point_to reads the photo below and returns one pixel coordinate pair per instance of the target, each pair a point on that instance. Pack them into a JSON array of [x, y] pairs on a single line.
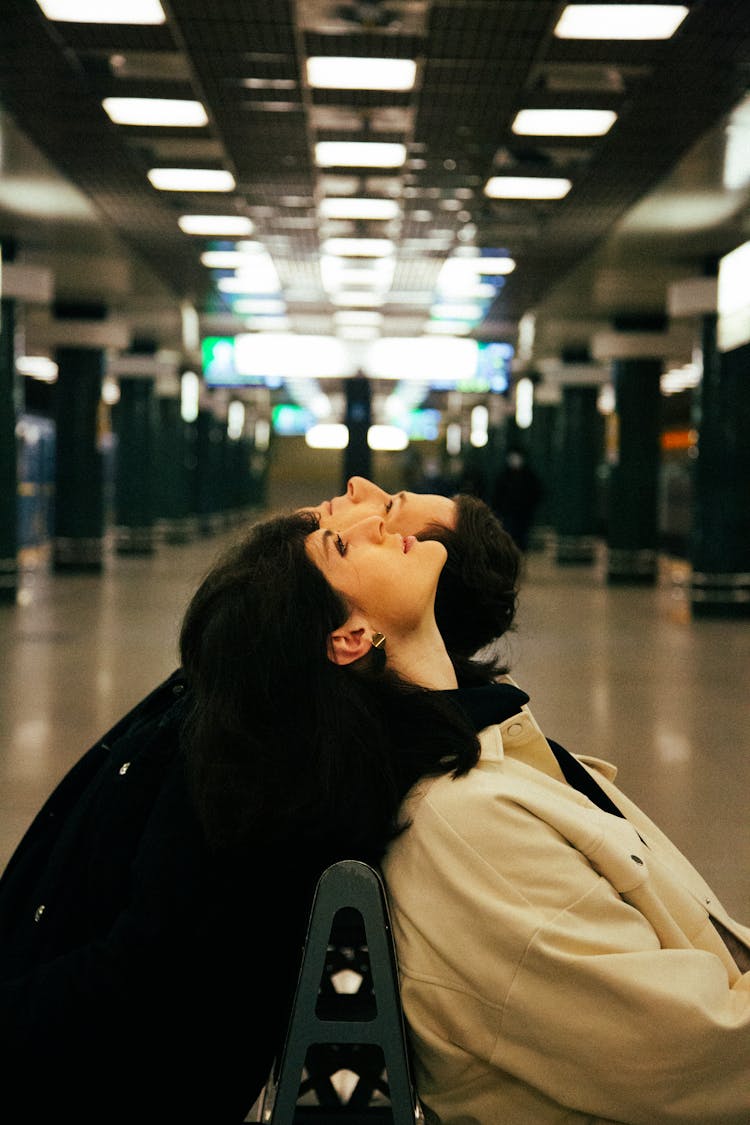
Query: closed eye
[[341, 546], [388, 506]]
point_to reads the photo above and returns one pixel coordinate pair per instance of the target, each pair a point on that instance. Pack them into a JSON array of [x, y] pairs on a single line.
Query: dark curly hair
[[478, 589], [280, 742]]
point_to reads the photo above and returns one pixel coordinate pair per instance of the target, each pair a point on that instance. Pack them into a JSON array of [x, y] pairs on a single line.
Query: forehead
[[409, 514], [414, 511]]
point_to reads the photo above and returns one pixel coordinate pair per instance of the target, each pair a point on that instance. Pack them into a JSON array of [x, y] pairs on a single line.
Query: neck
[[421, 657]]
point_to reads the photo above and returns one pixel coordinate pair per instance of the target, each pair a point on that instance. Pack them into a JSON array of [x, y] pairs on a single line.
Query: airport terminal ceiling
[[645, 199]]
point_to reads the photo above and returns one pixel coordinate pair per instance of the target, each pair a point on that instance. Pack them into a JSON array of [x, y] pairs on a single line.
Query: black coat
[[140, 979]]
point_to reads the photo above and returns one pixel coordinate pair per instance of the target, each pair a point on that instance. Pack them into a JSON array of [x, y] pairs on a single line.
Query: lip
[[409, 541]]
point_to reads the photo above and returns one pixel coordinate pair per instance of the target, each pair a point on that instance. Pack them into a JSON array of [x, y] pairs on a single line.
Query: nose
[[370, 530], [360, 488]]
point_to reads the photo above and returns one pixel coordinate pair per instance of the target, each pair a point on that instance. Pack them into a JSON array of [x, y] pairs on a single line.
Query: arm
[[555, 979]]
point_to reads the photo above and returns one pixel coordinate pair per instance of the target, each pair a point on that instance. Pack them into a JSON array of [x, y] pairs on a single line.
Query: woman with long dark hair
[[560, 959], [152, 916]]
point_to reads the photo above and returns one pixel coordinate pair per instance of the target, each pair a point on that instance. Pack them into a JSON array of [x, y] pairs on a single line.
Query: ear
[[350, 641]]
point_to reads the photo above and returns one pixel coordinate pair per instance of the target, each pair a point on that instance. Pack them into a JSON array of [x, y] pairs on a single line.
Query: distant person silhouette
[[515, 498]]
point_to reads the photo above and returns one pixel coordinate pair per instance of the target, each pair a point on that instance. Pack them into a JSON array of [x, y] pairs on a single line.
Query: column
[[135, 427], [636, 349], [207, 476], [634, 481], [8, 471], [571, 385], [260, 433], [79, 502], [173, 518], [541, 447], [577, 455], [720, 539], [82, 334], [357, 459], [20, 285]]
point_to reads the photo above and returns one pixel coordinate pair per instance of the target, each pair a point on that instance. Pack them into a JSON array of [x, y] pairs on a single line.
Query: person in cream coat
[[560, 960]]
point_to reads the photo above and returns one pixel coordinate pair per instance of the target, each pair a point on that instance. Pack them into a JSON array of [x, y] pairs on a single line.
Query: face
[[407, 513], [390, 578]]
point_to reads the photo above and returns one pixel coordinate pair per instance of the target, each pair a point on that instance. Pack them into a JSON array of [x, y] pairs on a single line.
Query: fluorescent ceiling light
[[269, 323], [620, 21], [564, 122], [465, 311], [358, 247], [359, 209], [448, 327], [359, 154], [496, 266], [37, 367], [255, 306], [465, 288], [358, 299], [191, 179], [335, 264], [215, 225], [352, 316], [327, 435], [289, 355], [104, 11], [257, 276], [332, 73], [373, 279], [387, 437], [155, 111], [227, 259], [419, 357], [459, 277], [357, 332], [527, 187]]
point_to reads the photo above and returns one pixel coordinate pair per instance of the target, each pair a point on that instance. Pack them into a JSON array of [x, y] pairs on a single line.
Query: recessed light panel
[[526, 187], [358, 247], [359, 154], [332, 73], [564, 122], [620, 21], [216, 226], [95, 11], [191, 179], [346, 208], [155, 111]]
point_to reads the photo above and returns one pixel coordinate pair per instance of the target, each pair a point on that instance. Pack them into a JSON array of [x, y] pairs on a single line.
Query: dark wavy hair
[[477, 593], [280, 742]]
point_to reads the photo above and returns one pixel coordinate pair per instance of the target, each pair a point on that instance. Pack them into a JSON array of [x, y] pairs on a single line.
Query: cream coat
[[558, 963]]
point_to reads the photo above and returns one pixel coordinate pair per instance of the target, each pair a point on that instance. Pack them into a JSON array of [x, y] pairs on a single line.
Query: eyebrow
[[326, 542]]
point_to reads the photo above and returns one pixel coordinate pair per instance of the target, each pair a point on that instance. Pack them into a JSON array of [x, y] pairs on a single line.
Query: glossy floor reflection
[[622, 673]]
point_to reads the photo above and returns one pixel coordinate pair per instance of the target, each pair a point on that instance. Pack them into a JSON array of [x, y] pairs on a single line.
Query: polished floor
[[618, 672]]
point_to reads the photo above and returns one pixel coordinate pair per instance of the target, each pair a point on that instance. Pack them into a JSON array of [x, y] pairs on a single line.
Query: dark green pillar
[[541, 449], [720, 545], [135, 426], [8, 467], [357, 455], [208, 468], [634, 479], [577, 453], [173, 517], [79, 497]]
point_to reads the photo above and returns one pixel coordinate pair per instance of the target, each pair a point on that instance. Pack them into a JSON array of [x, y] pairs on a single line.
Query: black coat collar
[[487, 704]]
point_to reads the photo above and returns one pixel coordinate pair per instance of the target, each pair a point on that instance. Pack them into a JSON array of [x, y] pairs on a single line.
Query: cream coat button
[[124, 767], [515, 728], [38, 912]]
